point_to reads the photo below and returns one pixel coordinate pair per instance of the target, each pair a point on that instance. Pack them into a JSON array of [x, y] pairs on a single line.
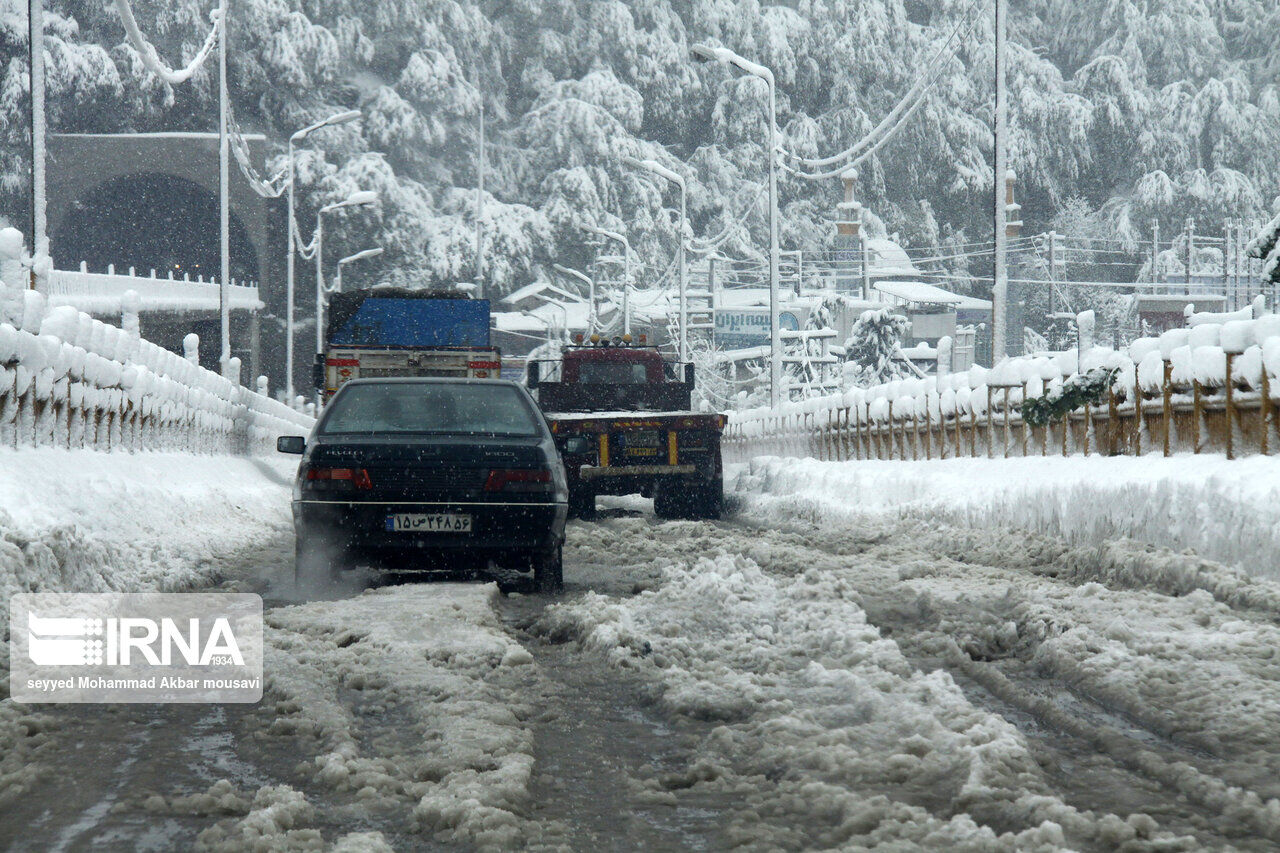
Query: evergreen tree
[[873, 345]]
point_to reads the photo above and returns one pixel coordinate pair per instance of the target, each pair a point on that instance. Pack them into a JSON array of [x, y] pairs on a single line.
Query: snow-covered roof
[[542, 290], [888, 258], [918, 291], [973, 303]]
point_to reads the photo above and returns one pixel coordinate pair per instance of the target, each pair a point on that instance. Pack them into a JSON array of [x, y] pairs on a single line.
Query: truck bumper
[[595, 472]]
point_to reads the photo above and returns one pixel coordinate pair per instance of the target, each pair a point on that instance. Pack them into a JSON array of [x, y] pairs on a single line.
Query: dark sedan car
[[430, 474]]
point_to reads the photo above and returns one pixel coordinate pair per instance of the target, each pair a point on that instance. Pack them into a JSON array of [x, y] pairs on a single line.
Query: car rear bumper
[[496, 528]]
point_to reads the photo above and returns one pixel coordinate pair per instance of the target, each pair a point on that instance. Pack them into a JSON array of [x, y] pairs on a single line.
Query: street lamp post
[[626, 271], [358, 256], [591, 290], [656, 168], [357, 198], [292, 226], [725, 56]]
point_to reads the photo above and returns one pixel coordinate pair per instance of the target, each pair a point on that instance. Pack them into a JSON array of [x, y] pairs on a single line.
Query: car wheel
[[548, 570]]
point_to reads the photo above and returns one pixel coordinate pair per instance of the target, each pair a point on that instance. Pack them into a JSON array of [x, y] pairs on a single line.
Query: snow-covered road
[[767, 682]]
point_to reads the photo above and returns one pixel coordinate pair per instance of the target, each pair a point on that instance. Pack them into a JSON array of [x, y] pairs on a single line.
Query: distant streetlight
[[723, 55], [292, 226], [591, 289], [353, 200], [656, 168], [626, 271], [358, 256]]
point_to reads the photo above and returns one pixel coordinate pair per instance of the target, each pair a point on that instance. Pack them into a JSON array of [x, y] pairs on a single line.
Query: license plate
[[408, 522], [644, 439]]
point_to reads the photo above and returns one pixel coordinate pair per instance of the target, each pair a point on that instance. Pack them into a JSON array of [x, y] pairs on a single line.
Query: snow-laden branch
[[151, 59], [706, 246], [907, 102], [884, 137]]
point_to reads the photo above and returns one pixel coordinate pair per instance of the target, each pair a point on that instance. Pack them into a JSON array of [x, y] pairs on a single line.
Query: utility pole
[[864, 253], [224, 197], [1053, 267], [39, 237], [1155, 252], [480, 206], [1000, 288], [1191, 249], [1226, 267]]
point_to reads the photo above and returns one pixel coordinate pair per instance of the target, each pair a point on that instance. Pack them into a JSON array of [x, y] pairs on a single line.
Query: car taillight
[[357, 477], [519, 480]]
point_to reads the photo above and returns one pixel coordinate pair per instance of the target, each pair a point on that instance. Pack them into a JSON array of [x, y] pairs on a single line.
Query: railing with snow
[[1205, 388], [68, 380], [104, 292]]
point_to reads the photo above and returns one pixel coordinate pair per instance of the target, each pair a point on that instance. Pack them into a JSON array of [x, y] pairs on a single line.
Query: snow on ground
[[1226, 511], [828, 734], [84, 521], [412, 699], [903, 681]]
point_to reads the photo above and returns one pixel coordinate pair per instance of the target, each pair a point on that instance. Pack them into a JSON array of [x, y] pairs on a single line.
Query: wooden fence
[[1232, 419]]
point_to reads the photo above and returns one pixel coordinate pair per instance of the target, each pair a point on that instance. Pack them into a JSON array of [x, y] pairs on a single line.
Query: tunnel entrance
[[151, 221]]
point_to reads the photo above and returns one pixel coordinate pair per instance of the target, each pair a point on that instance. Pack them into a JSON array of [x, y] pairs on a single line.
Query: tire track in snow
[[1248, 812]]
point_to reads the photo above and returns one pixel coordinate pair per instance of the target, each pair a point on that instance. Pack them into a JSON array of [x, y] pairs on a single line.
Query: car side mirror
[[533, 377], [688, 375], [291, 444], [577, 445]]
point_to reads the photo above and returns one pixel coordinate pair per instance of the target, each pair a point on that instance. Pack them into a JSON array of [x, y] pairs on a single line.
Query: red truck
[[621, 416]]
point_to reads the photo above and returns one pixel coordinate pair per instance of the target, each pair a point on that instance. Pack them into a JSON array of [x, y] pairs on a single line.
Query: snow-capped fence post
[[928, 426], [1007, 434], [959, 433], [1231, 407], [1197, 414], [1026, 428], [1114, 442], [1167, 405], [889, 430], [1264, 410], [1139, 420], [991, 451]]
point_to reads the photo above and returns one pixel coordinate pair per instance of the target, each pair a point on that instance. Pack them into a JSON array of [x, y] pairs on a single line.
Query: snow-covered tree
[[873, 344]]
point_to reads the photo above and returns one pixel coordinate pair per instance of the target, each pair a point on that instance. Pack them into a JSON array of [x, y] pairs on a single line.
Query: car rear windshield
[[435, 408]]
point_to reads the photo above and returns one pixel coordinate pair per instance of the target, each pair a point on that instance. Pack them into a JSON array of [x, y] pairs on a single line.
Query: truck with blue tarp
[[394, 331]]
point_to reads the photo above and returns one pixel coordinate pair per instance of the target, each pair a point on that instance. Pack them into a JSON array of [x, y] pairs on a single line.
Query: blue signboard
[[739, 328], [408, 322]]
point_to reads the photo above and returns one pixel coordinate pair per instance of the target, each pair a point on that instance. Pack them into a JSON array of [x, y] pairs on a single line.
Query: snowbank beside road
[[82, 521], [1226, 511]]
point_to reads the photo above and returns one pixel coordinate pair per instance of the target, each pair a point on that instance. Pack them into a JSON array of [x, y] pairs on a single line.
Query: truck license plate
[[407, 522], [648, 438]]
